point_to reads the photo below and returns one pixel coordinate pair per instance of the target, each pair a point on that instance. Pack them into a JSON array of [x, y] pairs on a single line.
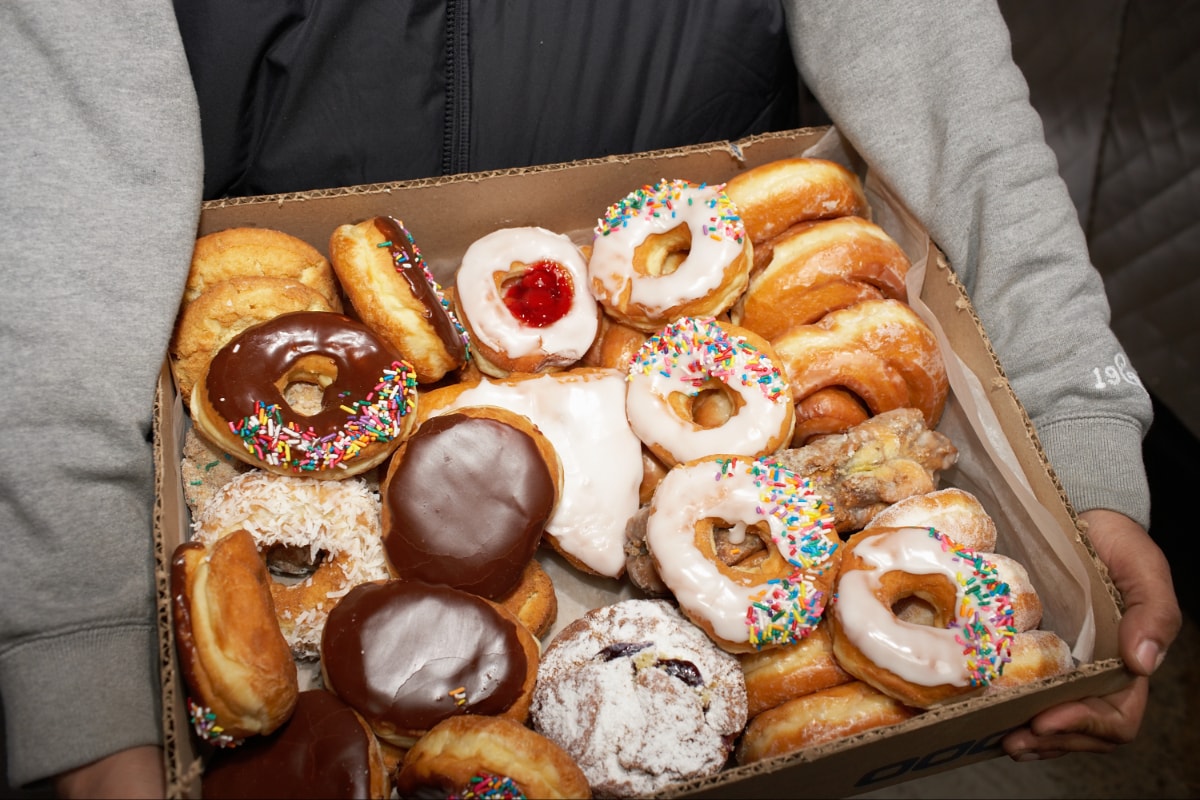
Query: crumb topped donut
[[775, 596], [369, 396], [669, 250], [700, 387], [639, 697], [523, 297]]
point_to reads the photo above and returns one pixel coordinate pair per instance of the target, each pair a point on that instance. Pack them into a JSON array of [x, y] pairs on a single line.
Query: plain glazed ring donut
[[393, 291], [369, 396], [671, 250], [773, 598], [700, 387], [523, 297], [322, 537], [968, 642]]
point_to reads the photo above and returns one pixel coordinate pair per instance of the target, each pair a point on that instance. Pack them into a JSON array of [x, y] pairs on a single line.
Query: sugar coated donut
[[321, 536], [234, 660], [369, 396], [776, 596], [700, 387], [1036, 655], [969, 641], [466, 499], [669, 250], [263, 252], [408, 655], [476, 756], [523, 297], [639, 697], [949, 509], [325, 749], [393, 291]]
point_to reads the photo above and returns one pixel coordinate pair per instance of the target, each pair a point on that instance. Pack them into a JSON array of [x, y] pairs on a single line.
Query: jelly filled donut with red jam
[[369, 396], [523, 297], [325, 750], [408, 655]]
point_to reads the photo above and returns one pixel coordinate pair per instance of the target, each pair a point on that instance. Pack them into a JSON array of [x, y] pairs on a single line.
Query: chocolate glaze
[[465, 504], [243, 373], [410, 266], [407, 655], [322, 751]]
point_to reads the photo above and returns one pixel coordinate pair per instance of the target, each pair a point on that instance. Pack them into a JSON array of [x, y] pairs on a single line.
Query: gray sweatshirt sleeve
[[929, 94], [100, 183]]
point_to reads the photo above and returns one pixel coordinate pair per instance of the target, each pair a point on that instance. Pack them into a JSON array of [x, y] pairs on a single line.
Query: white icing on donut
[[969, 653], [583, 416], [740, 491], [716, 230], [485, 264], [684, 357]]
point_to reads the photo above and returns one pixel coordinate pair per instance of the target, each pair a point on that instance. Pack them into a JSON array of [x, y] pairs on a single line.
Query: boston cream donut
[[776, 596], [667, 251], [369, 396], [700, 387], [393, 291], [968, 642], [235, 661], [523, 297]]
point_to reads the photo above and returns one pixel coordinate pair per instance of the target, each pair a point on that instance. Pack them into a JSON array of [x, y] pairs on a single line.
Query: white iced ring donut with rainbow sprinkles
[[961, 652], [710, 506], [669, 250], [700, 387]]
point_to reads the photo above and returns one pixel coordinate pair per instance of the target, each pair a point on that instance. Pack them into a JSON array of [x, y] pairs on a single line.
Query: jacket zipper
[[456, 129]]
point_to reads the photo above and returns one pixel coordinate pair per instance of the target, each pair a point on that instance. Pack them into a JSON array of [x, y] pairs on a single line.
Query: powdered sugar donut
[[669, 250], [639, 697], [700, 387], [775, 597], [522, 295], [321, 537]]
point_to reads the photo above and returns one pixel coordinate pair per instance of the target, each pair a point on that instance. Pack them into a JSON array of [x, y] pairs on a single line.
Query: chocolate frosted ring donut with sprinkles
[[746, 547], [368, 401], [700, 387], [670, 250]]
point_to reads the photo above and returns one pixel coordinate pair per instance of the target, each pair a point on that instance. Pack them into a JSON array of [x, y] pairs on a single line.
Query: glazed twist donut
[[827, 412], [670, 250], [776, 596], [818, 267], [879, 350], [369, 396], [700, 387], [522, 295]]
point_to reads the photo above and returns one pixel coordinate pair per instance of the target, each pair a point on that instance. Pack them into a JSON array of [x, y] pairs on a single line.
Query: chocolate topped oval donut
[[369, 394], [325, 750], [466, 499], [407, 655]]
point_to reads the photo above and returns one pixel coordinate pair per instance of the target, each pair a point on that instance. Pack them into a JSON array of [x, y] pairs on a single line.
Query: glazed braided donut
[[879, 350]]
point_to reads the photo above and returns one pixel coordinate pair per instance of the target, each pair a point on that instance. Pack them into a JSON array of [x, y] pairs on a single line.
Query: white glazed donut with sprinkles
[[700, 387], [776, 596], [669, 250]]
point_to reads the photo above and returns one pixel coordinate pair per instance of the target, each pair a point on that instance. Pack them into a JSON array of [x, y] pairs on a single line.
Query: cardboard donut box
[[1000, 459]]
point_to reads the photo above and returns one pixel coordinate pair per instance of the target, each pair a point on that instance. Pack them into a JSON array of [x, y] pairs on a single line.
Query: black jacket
[[307, 94]]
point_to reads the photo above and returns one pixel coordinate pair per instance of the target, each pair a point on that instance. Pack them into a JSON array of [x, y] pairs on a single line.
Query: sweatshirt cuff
[[77, 697], [1099, 464]]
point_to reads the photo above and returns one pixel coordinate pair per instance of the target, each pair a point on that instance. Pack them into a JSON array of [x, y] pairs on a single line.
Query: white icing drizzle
[[583, 416], [482, 304]]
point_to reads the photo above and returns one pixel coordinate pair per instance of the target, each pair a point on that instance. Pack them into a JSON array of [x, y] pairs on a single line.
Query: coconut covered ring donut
[[777, 595], [478, 463], [475, 756], [700, 387], [369, 396], [320, 537], [522, 295], [235, 661], [393, 291], [667, 251], [262, 252], [408, 655]]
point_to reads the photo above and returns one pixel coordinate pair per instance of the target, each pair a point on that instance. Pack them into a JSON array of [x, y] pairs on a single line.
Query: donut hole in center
[[663, 253], [711, 407], [740, 547], [303, 386], [292, 563], [926, 600]]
